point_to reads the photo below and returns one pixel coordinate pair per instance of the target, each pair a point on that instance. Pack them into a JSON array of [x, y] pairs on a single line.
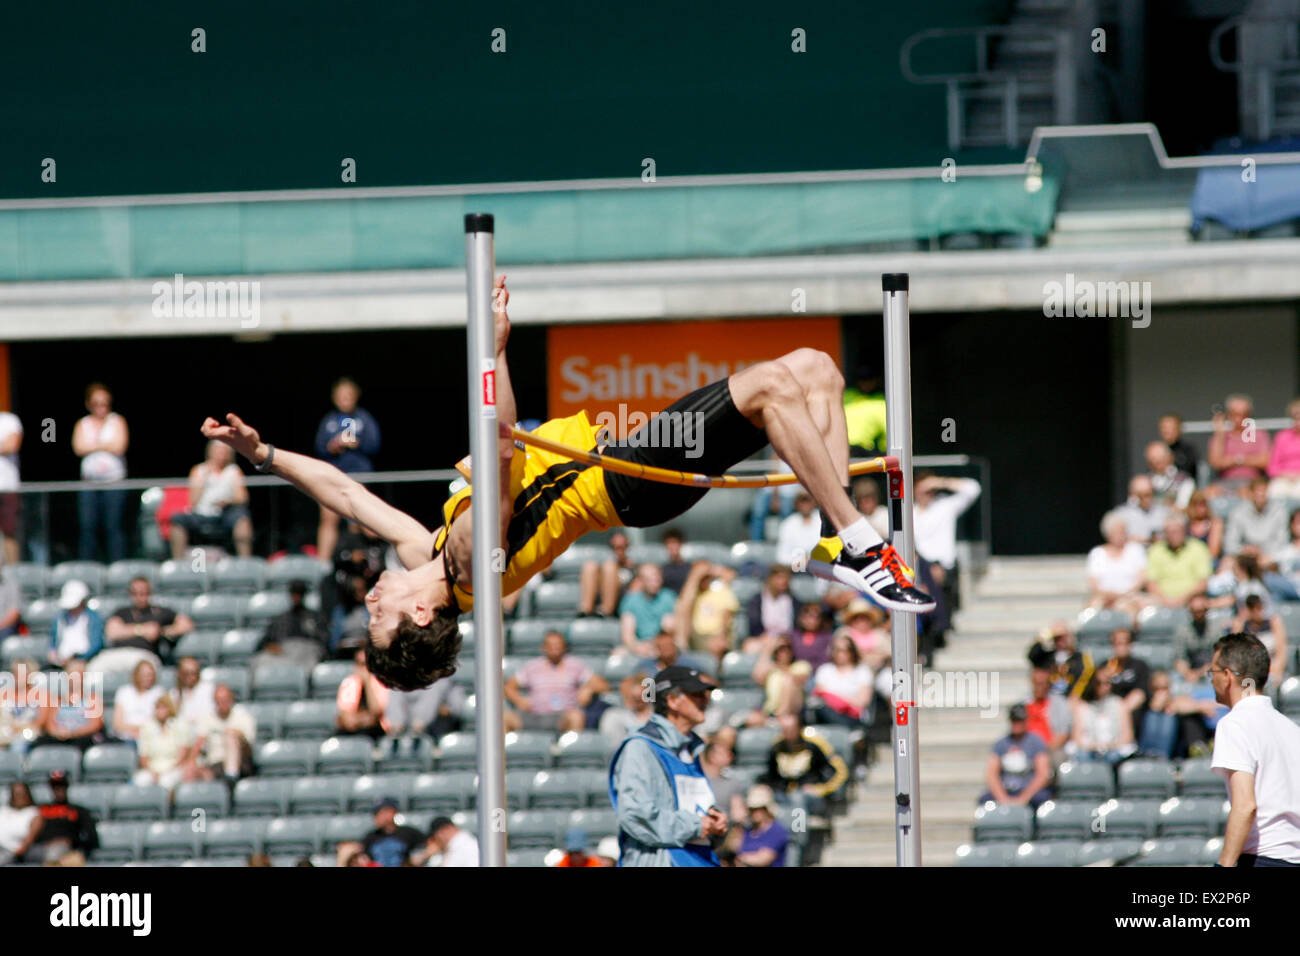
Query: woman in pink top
[[1284, 464], [1235, 453]]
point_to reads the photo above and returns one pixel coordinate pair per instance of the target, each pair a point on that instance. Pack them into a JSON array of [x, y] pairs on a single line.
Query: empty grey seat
[[1129, 818], [19, 648], [744, 589], [353, 755], [568, 566], [540, 829], [368, 789], [260, 797], [526, 637], [1084, 781], [326, 678], [597, 822], [203, 645], [118, 842], [528, 749], [753, 745], [594, 635], [170, 840], [279, 682], [211, 797], [234, 676], [89, 573], [295, 567], [527, 858], [1146, 778], [352, 826], [95, 797], [216, 611], [239, 644], [648, 553], [232, 837], [11, 767], [1197, 779], [578, 749], [517, 784], [1093, 622], [557, 790], [300, 836], [1289, 696], [711, 551], [412, 754], [1068, 821], [465, 674], [258, 609], [737, 700], [1003, 822], [236, 575], [457, 751], [839, 738], [286, 758], [1179, 851], [1191, 817], [33, 579], [1162, 621], [39, 617], [753, 557], [738, 669], [43, 760], [181, 579], [805, 588], [319, 795], [119, 575], [130, 802], [556, 599], [309, 720], [987, 854], [269, 715], [1055, 853], [1114, 852]]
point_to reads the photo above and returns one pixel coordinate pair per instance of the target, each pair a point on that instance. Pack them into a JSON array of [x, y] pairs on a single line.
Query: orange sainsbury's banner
[[646, 366]]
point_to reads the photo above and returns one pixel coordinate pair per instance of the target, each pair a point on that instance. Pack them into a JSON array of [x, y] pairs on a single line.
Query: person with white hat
[[766, 840], [78, 631]]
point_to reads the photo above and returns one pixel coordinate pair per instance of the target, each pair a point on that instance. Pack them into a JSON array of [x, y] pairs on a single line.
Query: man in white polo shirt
[[1257, 751]]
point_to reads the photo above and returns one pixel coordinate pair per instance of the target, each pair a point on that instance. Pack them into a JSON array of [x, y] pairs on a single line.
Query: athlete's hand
[[240, 436], [500, 299]]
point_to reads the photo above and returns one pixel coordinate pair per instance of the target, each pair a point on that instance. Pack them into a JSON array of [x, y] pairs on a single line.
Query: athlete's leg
[[823, 389]]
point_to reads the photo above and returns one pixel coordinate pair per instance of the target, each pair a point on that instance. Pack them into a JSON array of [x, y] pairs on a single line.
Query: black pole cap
[[482, 222], [894, 281]]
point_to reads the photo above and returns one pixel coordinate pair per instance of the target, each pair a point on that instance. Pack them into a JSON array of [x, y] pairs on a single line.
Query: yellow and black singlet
[[556, 501]]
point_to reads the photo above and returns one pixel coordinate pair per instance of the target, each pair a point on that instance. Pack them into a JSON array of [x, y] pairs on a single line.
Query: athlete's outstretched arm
[[329, 487], [506, 412]]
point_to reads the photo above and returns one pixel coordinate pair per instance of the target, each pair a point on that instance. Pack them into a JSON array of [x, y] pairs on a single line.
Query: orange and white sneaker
[[880, 574]]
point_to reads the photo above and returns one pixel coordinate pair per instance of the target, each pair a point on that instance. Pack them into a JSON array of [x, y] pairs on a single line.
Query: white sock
[[859, 536]]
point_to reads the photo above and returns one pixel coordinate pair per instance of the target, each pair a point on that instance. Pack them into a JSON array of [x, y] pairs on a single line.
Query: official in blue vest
[[665, 806]]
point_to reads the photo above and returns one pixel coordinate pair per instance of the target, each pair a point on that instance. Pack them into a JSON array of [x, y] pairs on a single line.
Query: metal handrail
[[1227, 26], [981, 35]]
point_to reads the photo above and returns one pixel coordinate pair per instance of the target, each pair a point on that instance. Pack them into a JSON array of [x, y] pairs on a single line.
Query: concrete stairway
[[1002, 610]]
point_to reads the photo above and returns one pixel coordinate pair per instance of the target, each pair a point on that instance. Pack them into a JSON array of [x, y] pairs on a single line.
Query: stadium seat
[[579, 749], [108, 605], [568, 566], [1003, 822], [238, 645], [1289, 611], [295, 567], [279, 682], [319, 795], [204, 645], [326, 678], [232, 837], [119, 575], [1158, 656], [1054, 853], [260, 608], [216, 611], [1190, 817], [351, 755], [1059, 820], [1114, 852], [711, 551], [235, 677], [528, 858], [39, 617], [1146, 778], [557, 790], [287, 758], [556, 599], [180, 579], [753, 744], [367, 790], [1084, 781], [353, 826], [42, 760], [1179, 851], [1002, 853], [457, 751], [95, 797], [526, 636], [466, 672], [738, 669], [648, 553], [1128, 818], [806, 589], [170, 840], [529, 749], [261, 797], [269, 715], [1165, 621], [89, 573], [744, 589], [1289, 696], [618, 667], [540, 829], [1094, 622], [412, 754], [309, 720], [1217, 620], [517, 784], [467, 644], [235, 575], [300, 836], [118, 842], [737, 700], [752, 558], [839, 738], [443, 793], [212, 797], [598, 822], [1197, 779], [33, 580], [594, 635], [130, 802], [19, 648]]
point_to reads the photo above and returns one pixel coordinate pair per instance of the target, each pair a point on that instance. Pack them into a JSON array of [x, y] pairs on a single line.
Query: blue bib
[[691, 791]]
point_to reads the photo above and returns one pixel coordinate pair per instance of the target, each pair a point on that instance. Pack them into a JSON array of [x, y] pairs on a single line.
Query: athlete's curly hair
[[417, 656]]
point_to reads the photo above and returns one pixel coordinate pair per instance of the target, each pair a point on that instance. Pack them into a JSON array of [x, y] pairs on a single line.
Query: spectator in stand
[[430, 710], [218, 505], [298, 636], [133, 702], [1194, 641], [1237, 451], [1178, 567], [575, 851], [706, 609], [803, 770], [1130, 677], [1204, 525], [843, 687], [20, 824], [168, 749], [100, 440], [934, 524], [1171, 433], [78, 632], [1069, 668], [866, 493], [1173, 488], [226, 739], [141, 631], [1103, 727], [800, 532], [643, 610], [361, 701], [772, 610], [74, 716], [193, 696], [391, 843], [605, 580], [812, 636], [350, 622], [1019, 768], [348, 438], [666, 651], [675, 570], [782, 678], [20, 710], [359, 554], [766, 840], [11, 440], [1117, 568], [449, 845], [728, 791], [1047, 714], [1256, 619], [617, 722], [1173, 724], [66, 827], [1259, 523], [559, 688], [1284, 462], [777, 501], [1143, 515], [11, 598], [867, 626]]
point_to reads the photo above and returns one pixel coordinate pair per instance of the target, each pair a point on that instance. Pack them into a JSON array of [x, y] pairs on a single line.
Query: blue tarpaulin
[[1227, 195]]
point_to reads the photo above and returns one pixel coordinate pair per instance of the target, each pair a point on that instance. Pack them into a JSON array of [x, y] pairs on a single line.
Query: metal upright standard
[[480, 269], [898, 424]]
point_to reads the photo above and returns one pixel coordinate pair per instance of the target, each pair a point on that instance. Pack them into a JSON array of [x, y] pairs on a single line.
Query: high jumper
[[548, 501]]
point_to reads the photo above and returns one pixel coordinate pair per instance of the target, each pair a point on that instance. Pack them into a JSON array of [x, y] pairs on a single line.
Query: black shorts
[[702, 432]]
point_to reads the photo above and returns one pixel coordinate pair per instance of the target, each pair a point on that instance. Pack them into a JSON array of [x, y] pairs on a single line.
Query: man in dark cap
[[67, 826], [390, 843], [1019, 768], [298, 636], [666, 811]]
